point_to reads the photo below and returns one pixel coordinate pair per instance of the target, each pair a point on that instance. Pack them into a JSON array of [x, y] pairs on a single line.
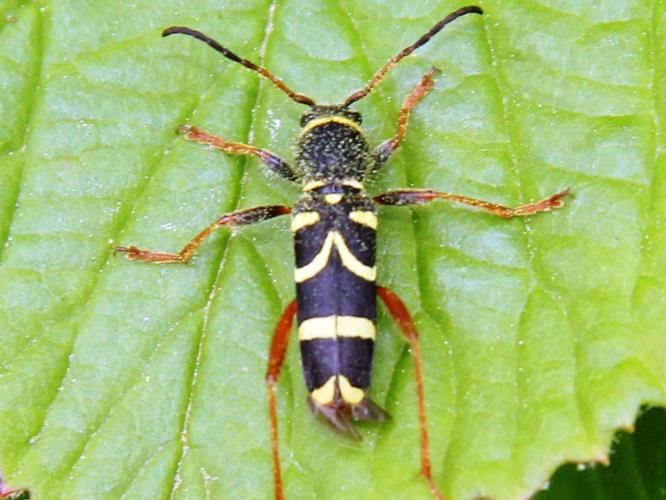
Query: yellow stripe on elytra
[[311, 269], [304, 219], [309, 186], [318, 263], [330, 327], [324, 394], [364, 217], [331, 119], [353, 183], [355, 327], [317, 328], [333, 198], [350, 394], [351, 262]]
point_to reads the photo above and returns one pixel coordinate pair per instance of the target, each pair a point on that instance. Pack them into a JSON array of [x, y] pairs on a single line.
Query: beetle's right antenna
[[295, 96], [361, 93]]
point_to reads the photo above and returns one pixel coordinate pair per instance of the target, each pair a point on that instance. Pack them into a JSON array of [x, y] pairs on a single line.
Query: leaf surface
[[540, 337]]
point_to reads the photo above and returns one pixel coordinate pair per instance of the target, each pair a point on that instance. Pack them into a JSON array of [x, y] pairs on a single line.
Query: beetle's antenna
[[361, 93], [300, 98]]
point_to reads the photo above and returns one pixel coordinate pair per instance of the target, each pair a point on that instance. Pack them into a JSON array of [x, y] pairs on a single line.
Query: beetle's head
[[324, 111]]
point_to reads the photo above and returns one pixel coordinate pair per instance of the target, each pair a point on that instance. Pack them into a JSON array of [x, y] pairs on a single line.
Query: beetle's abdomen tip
[[340, 416]]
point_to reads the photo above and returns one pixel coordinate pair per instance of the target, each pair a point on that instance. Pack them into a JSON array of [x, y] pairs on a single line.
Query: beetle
[[334, 224]]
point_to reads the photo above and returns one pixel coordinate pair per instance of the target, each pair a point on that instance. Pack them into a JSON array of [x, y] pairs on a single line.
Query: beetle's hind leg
[[238, 218], [271, 160], [275, 361], [401, 316]]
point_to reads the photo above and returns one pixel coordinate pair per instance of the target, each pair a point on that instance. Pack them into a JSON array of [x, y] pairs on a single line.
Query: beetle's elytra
[[334, 224]]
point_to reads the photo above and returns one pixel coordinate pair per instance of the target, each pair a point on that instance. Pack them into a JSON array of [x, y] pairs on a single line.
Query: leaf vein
[[186, 419], [35, 95], [528, 242]]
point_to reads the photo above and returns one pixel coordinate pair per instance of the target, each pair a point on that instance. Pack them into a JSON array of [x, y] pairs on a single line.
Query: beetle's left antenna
[[295, 96]]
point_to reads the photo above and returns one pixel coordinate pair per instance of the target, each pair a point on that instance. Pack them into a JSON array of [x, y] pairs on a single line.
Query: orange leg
[[421, 196], [404, 320], [238, 218], [275, 360], [272, 161], [387, 148]]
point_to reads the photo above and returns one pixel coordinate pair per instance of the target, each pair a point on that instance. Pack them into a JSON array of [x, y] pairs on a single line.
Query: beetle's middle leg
[[238, 218], [384, 151], [271, 160], [402, 197]]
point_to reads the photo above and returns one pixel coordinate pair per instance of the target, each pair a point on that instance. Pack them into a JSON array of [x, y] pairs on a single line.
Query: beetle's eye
[[305, 119]]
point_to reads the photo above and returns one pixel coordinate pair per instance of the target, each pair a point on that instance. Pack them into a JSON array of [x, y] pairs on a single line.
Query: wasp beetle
[[334, 224]]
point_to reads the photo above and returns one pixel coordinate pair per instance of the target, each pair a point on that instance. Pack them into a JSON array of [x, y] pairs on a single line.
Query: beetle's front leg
[[421, 196], [271, 160], [238, 218], [384, 151]]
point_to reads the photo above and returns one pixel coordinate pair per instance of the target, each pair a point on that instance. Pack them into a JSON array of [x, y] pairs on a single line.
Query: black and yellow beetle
[[334, 225]]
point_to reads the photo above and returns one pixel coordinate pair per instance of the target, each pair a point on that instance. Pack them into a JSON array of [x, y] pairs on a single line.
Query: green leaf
[[637, 468], [540, 337]]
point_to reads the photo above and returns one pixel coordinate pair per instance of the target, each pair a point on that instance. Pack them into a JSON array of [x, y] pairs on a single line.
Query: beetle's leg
[[271, 160], [384, 151], [421, 196], [238, 218], [275, 360], [404, 320]]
